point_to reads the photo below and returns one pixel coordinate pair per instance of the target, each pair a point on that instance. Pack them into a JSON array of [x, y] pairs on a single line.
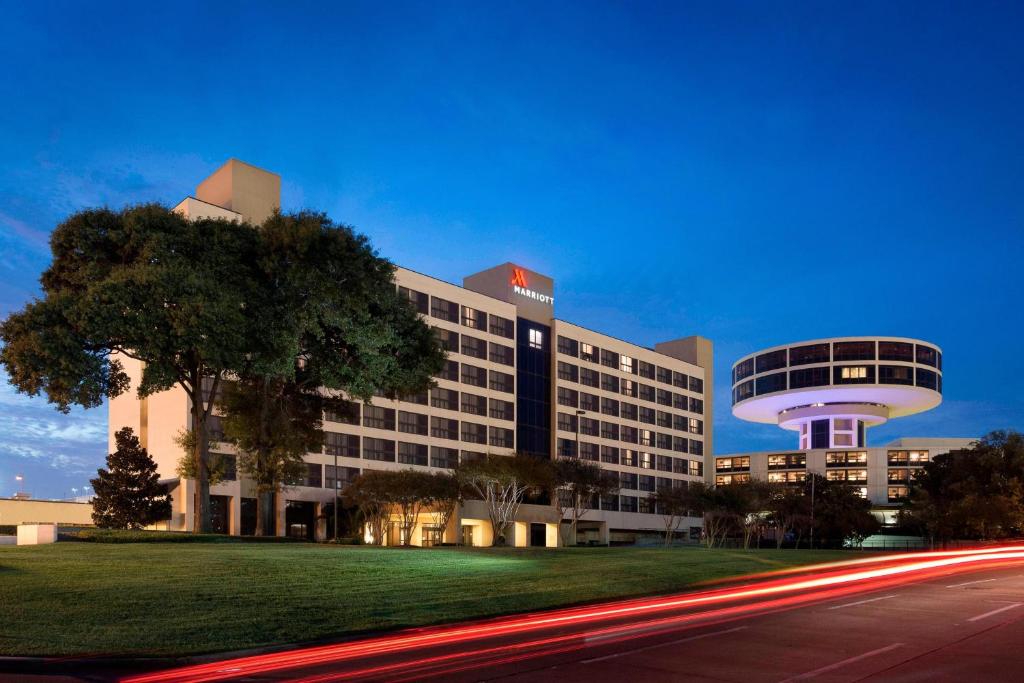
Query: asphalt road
[[919, 617]]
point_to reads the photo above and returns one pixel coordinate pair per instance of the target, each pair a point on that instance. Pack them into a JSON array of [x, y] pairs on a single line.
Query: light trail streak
[[893, 569]]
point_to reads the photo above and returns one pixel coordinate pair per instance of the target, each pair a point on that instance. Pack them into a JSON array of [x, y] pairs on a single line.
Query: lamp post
[[812, 510], [335, 494], [579, 416]]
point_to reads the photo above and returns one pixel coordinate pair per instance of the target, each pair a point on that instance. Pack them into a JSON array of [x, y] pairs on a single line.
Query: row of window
[[474, 347], [647, 439], [837, 351], [853, 374], [379, 417], [627, 387], [389, 450], [477, 376], [832, 459], [442, 309], [628, 364], [627, 457], [630, 411]]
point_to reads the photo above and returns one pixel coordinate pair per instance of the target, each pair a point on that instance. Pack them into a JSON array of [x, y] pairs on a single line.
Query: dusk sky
[[755, 173]]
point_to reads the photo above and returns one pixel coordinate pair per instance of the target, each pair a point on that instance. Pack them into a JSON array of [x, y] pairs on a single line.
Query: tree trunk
[[202, 521]]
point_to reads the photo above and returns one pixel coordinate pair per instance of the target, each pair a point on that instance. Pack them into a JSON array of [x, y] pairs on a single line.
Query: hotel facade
[[829, 393], [517, 379]]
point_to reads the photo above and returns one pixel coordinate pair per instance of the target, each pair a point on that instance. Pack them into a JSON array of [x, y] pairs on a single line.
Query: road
[[955, 616]]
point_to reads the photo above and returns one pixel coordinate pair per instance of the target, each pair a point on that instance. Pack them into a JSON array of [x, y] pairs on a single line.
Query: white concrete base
[[37, 534]]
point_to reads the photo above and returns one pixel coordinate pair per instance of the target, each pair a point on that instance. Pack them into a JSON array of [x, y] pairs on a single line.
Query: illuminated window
[[588, 352], [858, 372], [536, 339], [626, 364]]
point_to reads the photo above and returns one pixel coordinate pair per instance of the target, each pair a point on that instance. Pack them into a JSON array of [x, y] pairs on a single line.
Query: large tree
[[577, 483], [128, 492], [501, 482], [142, 283]]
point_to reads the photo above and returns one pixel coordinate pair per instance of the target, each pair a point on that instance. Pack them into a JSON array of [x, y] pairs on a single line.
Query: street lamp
[[579, 416]]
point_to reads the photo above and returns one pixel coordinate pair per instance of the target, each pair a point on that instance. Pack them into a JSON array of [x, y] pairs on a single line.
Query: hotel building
[[517, 379], [829, 392]]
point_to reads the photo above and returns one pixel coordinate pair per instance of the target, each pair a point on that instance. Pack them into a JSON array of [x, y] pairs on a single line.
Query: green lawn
[[164, 598]]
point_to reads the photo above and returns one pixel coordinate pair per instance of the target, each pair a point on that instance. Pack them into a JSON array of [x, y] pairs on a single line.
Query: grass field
[[170, 599]]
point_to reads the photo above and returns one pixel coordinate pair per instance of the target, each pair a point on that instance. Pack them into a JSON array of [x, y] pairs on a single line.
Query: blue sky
[[757, 173]]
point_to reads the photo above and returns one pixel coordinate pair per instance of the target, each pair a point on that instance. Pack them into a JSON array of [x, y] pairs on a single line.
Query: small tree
[[789, 511], [128, 492], [370, 492], [576, 483], [502, 482], [674, 503], [445, 494], [409, 491]]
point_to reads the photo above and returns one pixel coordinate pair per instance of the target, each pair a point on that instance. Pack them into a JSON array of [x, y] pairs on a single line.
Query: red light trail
[[576, 628]]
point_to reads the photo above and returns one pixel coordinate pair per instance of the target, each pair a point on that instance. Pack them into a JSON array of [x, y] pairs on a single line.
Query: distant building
[[517, 379], [829, 392]]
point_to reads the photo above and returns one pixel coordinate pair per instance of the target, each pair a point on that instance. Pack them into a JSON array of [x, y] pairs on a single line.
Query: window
[[746, 390], [379, 449], [610, 455], [589, 402], [444, 398], [590, 378], [501, 437], [215, 428], [341, 445], [787, 477], [808, 377], [610, 430], [927, 379], [664, 397], [697, 385], [854, 374], [646, 370], [565, 448], [645, 460], [502, 410], [588, 352], [474, 319], [609, 406], [629, 434], [680, 445], [646, 505], [627, 504], [629, 388], [890, 350], [567, 422], [502, 381], [472, 456], [648, 415], [679, 380], [419, 300], [476, 348], [679, 401], [473, 375], [853, 350], [927, 355], [696, 468], [647, 483], [629, 457], [897, 493], [664, 419], [628, 410], [473, 404], [536, 339], [895, 374], [448, 339], [450, 371], [312, 476], [412, 423], [610, 383], [412, 453], [610, 503], [732, 464], [503, 327], [773, 360], [345, 412], [787, 461], [664, 375], [627, 364], [770, 383], [568, 397], [811, 353], [696, 426], [845, 458], [905, 458], [444, 457], [646, 437], [728, 479], [681, 423], [646, 392], [444, 310], [589, 426], [588, 451], [628, 480], [696, 447], [609, 359], [340, 477], [419, 398], [379, 418], [679, 465], [568, 372], [228, 465], [743, 370], [504, 355], [569, 347], [443, 428], [664, 441], [474, 433]]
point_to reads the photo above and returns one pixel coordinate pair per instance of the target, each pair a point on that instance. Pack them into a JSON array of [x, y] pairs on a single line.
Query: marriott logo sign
[[521, 287]]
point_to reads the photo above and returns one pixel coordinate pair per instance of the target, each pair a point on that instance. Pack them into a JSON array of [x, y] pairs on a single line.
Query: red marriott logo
[[518, 277], [519, 287]]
